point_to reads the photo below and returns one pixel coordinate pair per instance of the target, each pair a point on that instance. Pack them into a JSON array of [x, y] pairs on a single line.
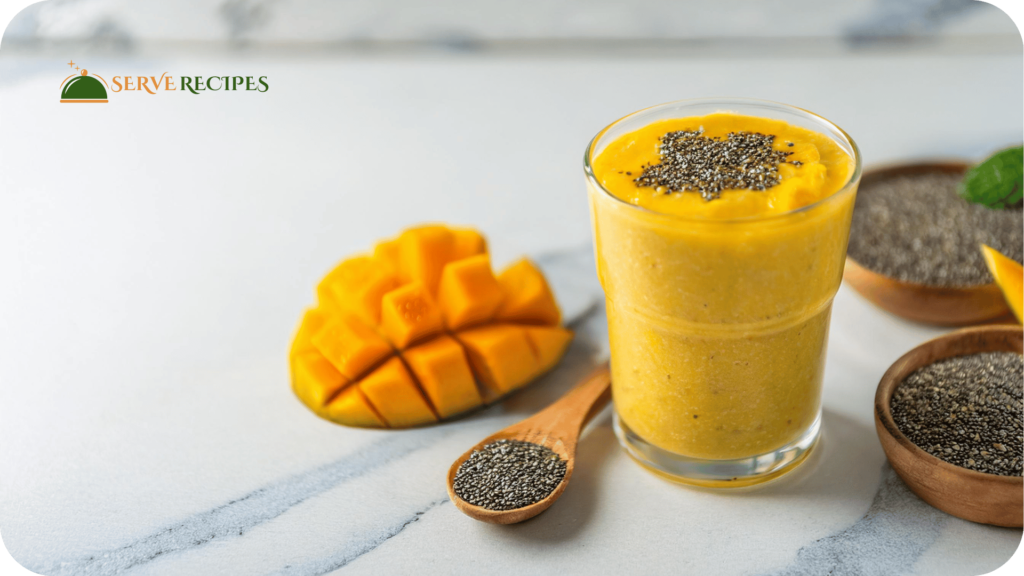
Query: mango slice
[[423, 253], [440, 367], [548, 344], [409, 314], [1009, 276], [392, 391], [316, 380], [527, 296], [351, 408], [469, 293], [422, 331], [501, 357], [350, 346], [356, 286]]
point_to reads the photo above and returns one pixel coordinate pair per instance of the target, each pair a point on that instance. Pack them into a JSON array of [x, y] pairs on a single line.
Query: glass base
[[718, 473]]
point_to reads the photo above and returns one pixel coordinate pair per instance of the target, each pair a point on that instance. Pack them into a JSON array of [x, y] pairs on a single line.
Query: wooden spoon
[[558, 427]]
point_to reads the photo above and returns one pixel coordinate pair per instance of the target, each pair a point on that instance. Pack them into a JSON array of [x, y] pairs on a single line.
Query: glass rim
[[588, 169]]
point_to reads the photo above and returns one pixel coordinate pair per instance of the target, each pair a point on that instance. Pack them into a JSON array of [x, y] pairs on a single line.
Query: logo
[[83, 87], [80, 88]]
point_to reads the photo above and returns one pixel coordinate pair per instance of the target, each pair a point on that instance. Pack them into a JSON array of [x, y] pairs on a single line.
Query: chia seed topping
[[966, 411], [692, 162], [916, 228], [509, 474]]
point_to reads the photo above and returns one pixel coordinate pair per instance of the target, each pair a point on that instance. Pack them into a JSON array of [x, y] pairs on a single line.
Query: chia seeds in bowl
[[966, 411], [915, 228]]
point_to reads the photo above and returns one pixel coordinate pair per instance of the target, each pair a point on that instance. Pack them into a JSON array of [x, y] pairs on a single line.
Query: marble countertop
[[162, 247]]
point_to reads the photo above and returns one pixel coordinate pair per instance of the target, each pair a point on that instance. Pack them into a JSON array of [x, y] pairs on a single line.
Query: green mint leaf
[[997, 182]]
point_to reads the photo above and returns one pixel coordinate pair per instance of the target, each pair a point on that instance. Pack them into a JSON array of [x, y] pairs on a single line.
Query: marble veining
[[233, 519], [355, 549], [887, 540]]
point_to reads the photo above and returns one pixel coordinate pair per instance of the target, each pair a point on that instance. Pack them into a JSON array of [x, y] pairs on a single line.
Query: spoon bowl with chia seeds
[[915, 245], [519, 472], [959, 396]]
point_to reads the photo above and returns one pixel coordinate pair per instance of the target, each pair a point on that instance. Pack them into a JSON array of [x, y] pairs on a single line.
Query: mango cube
[[351, 346], [467, 242], [409, 314], [388, 253], [351, 408], [315, 380], [312, 321], [469, 293], [423, 253], [392, 391], [441, 368], [356, 286], [527, 296], [548, 344], [501, 356]]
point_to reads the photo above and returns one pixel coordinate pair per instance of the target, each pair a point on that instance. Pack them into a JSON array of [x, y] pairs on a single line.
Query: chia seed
[[966, 411], [692, 162], [509, 474], [916, 228]]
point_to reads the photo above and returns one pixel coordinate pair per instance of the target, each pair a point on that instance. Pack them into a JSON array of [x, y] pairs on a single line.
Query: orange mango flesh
[[353, 409], [548, 344], [441, 368], [312, 320], [1009, 275], [501, 356], [356, 286], [394, 394], [467, 242], [350, 346], [388, 253], [409, 314], [526, 296], [469, 293], [315, 379], [423, 252], [411, 335]]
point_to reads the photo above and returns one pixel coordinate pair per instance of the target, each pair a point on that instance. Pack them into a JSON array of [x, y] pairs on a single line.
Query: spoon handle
[[567, 417]]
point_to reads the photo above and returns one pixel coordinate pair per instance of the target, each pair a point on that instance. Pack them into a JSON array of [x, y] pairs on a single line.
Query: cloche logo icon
[[82, 88]]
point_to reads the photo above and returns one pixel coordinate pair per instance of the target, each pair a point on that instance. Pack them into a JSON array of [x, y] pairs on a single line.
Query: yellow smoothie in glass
[[718, 309]]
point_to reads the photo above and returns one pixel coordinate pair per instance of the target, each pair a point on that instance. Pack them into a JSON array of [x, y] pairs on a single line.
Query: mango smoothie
[[720, 232]]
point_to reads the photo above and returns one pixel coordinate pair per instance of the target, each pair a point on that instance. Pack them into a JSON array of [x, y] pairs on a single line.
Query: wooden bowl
[[967, 494], [920, 302]]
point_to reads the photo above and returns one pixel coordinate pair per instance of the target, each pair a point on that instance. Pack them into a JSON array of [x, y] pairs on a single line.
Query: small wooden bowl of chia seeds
[[914, 245], [951, 396]]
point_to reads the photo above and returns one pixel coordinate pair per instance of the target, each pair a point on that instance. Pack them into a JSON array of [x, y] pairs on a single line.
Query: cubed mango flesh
[[469, 293], [467, 242], [527, 298], [441, 368], [356, 286], [423, 331], [392, 391], [388, 253], [423, 253], [409, 314], [548, 344], [351, 346], [315, 380], [501, 356], [312, 320], [351, 408]]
